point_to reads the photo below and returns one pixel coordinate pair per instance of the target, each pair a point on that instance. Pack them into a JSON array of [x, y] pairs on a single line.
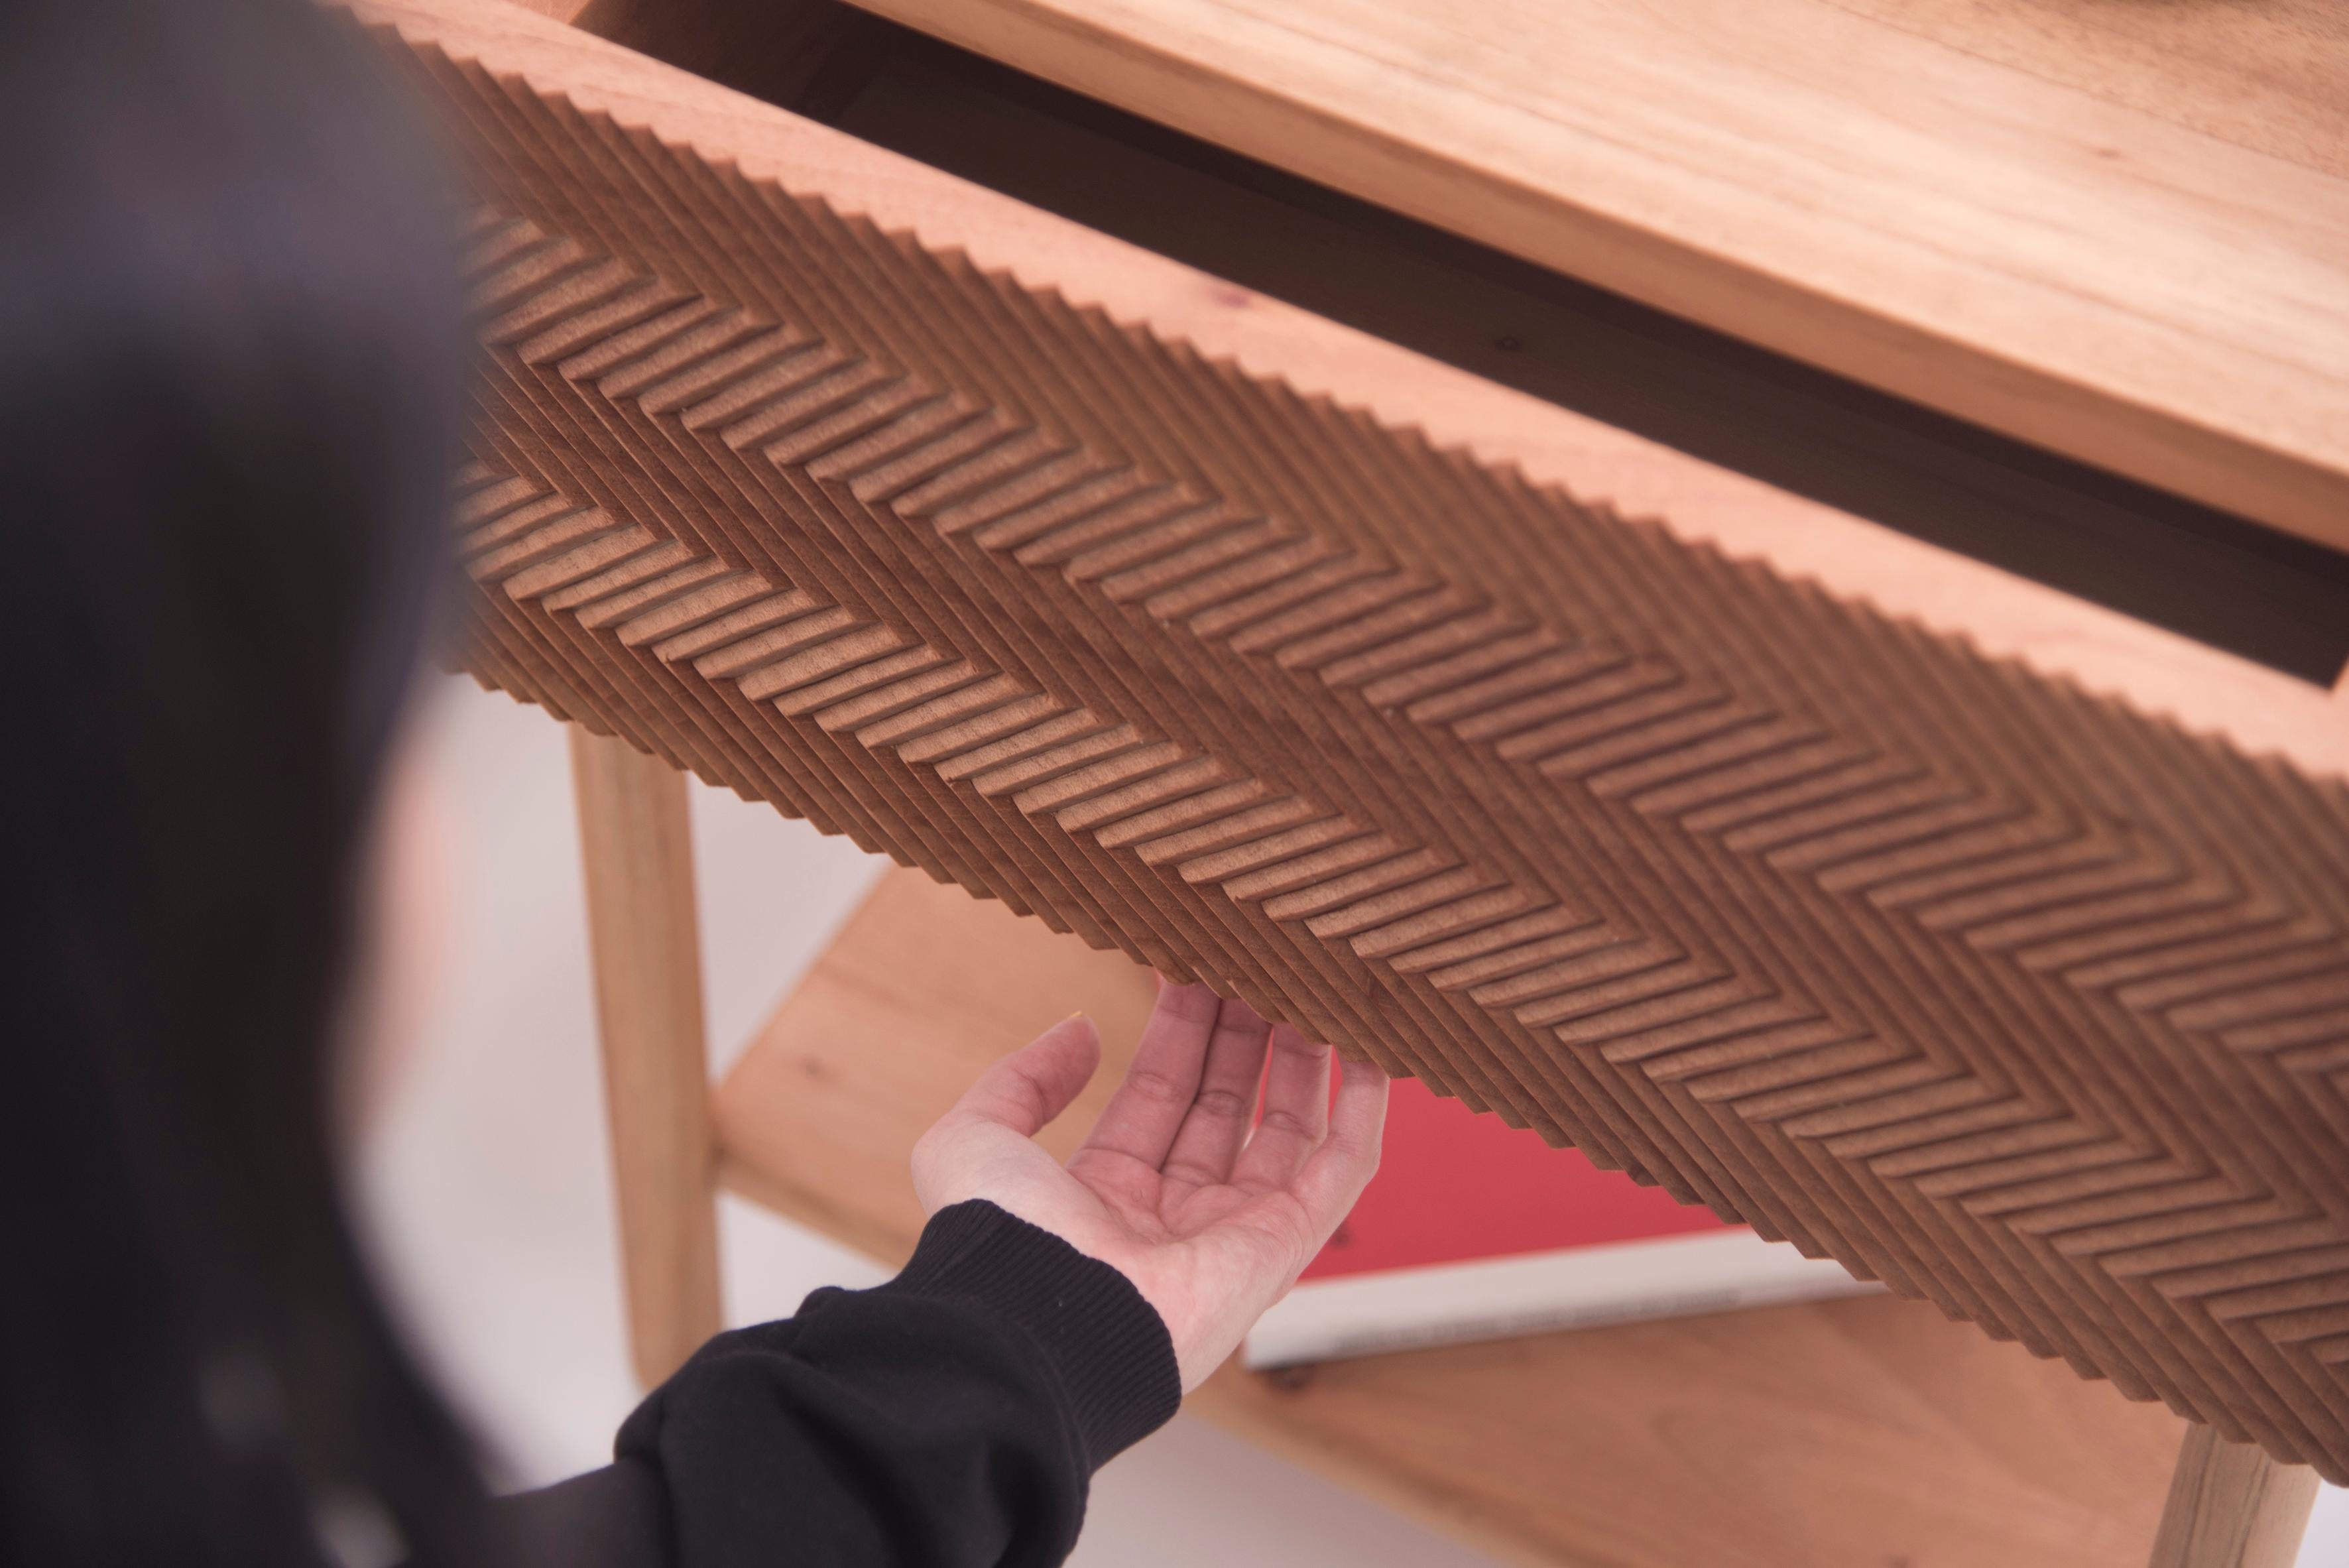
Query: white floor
[[487, 1186]]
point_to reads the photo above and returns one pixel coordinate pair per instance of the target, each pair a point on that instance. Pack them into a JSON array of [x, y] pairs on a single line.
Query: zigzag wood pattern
[[2009, 996]]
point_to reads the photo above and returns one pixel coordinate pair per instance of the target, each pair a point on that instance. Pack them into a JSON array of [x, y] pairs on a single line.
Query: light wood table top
[[2117, 231]]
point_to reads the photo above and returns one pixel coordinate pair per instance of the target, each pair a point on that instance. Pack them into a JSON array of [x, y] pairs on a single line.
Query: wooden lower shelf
[[1869, 1432]]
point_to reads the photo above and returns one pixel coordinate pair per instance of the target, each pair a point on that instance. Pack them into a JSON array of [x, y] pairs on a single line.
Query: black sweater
[[952, 1416]]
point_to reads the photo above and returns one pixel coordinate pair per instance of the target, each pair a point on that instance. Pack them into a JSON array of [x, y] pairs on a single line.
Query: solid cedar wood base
[[1996, 991], [1844, 1435]]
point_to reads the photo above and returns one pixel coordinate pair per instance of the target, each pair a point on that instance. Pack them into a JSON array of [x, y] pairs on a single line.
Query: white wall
[[488, 1189]]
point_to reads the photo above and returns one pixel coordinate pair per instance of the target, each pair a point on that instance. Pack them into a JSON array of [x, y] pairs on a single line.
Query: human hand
[[1210, 1222]]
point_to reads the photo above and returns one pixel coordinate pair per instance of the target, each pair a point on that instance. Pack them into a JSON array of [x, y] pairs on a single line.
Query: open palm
[[1209, 1210]]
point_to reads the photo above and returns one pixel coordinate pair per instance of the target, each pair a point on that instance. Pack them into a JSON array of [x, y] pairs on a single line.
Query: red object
[[1454, 1186]]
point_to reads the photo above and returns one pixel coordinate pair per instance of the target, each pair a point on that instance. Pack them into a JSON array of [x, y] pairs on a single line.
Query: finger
[[1334, 1174], [1296, 1113], [1025, 1090], [1217, 1122], [1141, 1119]]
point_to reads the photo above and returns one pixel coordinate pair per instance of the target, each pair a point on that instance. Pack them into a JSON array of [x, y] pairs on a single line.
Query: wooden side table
[[1925, 914]]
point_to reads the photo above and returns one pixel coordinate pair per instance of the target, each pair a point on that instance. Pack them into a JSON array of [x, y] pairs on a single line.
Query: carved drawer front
[[1999, 991]]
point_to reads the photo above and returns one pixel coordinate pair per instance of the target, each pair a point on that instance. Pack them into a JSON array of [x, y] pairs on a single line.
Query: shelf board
[[1863, 1432]]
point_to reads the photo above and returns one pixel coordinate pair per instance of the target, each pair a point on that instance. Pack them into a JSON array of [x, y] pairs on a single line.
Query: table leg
[[638, 847], [2231, 1506]]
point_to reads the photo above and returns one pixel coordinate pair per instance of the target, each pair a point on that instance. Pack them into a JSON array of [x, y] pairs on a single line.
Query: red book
[[1473, 1229]]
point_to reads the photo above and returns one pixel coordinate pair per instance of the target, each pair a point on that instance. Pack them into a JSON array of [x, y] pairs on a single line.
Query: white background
[[487, 1189]]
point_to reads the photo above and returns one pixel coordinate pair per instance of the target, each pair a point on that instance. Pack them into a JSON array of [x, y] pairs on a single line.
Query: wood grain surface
[[2117, 231], [2002, 992], [2150, 554], [2230, 1506], [637, 851], [1844, 1435]]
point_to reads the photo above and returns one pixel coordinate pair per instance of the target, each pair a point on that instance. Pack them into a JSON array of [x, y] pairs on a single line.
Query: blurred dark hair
[[230, 377]]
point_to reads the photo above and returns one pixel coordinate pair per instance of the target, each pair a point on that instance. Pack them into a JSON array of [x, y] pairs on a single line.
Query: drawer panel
[[1990, 986]]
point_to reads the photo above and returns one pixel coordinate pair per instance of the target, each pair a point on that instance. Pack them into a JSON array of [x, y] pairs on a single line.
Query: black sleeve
[[954, 1416]]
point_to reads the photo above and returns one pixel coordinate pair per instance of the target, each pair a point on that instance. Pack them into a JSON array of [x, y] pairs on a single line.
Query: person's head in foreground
[[232, 353]]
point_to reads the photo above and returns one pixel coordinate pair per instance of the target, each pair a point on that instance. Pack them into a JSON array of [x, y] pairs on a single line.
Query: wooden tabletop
[[2119, 231]]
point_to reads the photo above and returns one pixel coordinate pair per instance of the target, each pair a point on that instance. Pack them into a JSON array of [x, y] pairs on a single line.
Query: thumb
[[1025, 1090]]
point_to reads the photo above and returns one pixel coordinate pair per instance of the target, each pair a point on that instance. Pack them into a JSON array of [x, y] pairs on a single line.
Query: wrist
[[1105, 1341]]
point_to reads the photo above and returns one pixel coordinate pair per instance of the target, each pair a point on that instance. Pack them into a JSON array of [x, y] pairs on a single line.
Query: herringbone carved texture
[[2006, 995]]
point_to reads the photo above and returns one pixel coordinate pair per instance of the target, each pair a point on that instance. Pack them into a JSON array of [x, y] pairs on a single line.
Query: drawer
[[1985, 939]]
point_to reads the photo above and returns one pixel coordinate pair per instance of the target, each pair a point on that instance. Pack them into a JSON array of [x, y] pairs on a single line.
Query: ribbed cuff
[[1109, 1346]]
